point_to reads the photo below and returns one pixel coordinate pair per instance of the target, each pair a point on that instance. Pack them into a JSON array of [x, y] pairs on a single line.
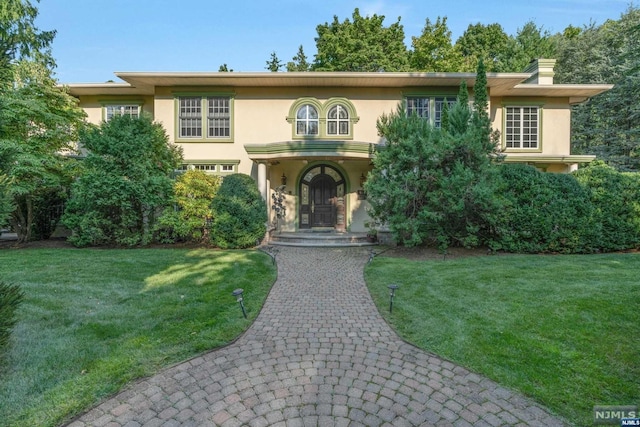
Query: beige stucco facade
[[264, 141]]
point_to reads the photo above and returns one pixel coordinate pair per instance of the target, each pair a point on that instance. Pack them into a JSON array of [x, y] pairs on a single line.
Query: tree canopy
[[363, 44], [38, 120]]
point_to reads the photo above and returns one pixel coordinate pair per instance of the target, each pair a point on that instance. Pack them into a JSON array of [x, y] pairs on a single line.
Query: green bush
[[125, 182], [239, 213], [10, 298], [616, 200], [190, 218], [544, 212]]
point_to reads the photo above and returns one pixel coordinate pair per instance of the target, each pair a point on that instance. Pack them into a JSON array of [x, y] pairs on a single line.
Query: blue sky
[[96, 38]]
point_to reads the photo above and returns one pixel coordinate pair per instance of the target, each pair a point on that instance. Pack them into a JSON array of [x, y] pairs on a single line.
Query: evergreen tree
[[273, 64], [299, 62]]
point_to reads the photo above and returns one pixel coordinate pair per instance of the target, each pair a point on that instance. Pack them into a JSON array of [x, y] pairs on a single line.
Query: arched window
[[338, 120], [307, 120]]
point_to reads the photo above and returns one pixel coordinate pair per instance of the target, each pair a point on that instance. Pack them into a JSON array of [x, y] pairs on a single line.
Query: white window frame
[[306, 121], [204, 117], [190, 117], [338, 121], [428, 107], [111, 110], [521, 130]]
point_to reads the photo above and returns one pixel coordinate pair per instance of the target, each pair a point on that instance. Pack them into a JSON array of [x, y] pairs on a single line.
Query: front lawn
[[95, 319], [564, 330]]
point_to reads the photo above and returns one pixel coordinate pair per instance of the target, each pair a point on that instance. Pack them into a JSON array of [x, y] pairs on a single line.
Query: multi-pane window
[[205, 167], [429, 108], [204, 117], [419, 107], [338, 121], [218, 117], [439, 104], [522, 127], [121, 110], [190, 117], [227, 168], [307, 120]]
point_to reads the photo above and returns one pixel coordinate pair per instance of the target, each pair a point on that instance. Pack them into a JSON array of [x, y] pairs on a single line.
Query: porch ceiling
[[314, 149]]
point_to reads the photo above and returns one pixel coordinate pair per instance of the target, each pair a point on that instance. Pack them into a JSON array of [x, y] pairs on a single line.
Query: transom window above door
[[333, 119]]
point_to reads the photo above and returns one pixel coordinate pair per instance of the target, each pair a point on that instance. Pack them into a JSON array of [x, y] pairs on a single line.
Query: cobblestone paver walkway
[[319, 354]]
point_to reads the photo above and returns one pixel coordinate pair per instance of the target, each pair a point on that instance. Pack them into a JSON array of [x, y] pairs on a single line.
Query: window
[[190, 117], [338, 121], [204, 117], [121, 110], [429, 108], [205, 167], [522, 127], [331, 119], [418, 107], [439, 103], [307, 120], [214, 167], [218, 117]]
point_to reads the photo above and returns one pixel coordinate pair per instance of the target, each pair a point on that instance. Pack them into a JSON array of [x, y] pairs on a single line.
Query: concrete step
[[320, 239]]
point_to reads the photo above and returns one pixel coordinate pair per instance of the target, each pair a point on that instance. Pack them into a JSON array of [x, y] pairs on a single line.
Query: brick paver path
[[319, 354]]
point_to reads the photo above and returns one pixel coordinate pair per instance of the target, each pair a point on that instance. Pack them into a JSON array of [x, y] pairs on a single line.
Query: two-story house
[[316, 132]]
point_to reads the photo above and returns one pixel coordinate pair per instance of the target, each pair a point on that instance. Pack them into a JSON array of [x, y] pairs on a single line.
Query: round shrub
[[239, 213]]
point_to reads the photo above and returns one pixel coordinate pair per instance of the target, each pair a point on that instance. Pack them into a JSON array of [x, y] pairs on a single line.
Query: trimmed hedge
[[615, 197], [239, 213], [544, 212]]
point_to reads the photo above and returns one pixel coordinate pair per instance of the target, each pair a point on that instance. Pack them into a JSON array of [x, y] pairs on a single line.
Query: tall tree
[[273, 64], [608, 125], [488, 42], [38, 120], [363, 44], [433, 50], [530, 42], [299, 62]]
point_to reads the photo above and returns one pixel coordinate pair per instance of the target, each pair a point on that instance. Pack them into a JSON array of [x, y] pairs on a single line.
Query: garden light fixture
[[391, 295], [238, 294]]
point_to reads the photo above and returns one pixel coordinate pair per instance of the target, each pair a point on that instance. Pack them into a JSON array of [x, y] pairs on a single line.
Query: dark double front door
[[319, 189], [323, 197]]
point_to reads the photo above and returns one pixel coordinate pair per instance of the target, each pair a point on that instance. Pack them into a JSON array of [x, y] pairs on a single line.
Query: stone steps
[[321, 238]]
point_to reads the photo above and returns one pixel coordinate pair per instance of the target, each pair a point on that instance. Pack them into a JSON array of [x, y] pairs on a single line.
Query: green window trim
[[124, 103], [207, 116], [523, 108], [324, 123], [213, 167], [431, 109]]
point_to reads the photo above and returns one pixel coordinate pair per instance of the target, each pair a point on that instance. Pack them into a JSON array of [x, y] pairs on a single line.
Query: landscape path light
[[391, 295], [238, 294]]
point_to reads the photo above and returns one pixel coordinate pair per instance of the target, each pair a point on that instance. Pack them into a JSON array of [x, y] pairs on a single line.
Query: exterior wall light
[[391, 295], [238, 294], [283, 179]]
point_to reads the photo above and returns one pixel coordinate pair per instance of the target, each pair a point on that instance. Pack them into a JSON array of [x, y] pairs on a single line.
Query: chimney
[[541, 71]]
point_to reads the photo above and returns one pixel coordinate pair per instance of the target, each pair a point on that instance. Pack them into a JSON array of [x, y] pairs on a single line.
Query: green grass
[[564, 330], [95, 319]]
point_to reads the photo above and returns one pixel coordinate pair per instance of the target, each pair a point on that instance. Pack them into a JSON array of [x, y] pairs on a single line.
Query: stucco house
[[315, 132]]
